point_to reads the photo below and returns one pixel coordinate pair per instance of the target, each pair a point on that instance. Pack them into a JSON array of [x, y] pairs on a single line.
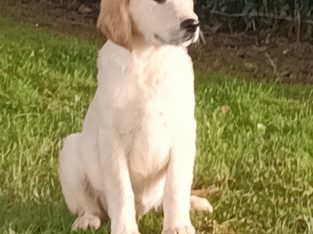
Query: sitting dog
[[137, 148]]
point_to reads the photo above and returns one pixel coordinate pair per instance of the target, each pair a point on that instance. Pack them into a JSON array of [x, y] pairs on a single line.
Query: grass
[[255, 141]]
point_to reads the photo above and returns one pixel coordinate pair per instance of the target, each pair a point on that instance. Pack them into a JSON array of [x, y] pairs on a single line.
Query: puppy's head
[[154, 21]]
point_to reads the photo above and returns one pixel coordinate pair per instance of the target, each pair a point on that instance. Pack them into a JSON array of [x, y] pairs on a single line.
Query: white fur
[[137, 146]]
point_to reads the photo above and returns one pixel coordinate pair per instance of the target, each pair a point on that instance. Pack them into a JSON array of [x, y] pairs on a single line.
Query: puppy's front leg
[[176, 202], [119, 195]]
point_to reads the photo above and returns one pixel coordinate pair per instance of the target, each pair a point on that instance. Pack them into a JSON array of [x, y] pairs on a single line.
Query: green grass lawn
[[255, 141]]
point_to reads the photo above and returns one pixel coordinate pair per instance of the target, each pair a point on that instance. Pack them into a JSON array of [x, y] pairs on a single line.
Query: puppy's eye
[[160, 1]]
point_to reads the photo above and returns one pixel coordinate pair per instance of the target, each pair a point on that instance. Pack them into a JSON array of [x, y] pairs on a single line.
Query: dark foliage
[[290, 18]]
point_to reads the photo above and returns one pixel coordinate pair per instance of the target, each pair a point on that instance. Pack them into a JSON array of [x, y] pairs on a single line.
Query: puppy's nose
[[190, 25]]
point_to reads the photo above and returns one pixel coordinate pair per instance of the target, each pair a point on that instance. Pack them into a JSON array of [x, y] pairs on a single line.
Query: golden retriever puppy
[[136, 149]]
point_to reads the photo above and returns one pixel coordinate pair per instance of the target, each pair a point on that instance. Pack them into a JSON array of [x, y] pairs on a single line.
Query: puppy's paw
[[86, 221], [200, 204], [180, 230]]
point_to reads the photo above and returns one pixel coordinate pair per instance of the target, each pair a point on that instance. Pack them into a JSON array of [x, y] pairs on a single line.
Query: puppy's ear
[[114, 21]]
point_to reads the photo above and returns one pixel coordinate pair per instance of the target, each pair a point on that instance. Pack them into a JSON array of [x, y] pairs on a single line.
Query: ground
[[279, 60], [254, 139]]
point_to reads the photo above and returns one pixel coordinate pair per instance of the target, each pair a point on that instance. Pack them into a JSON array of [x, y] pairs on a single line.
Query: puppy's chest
[[153, 130], [158, 111], [155, 100], [150, 146]]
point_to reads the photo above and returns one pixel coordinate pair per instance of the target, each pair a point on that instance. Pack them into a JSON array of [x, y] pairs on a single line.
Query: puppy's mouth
[[189, 37], [192, 35], [178, 38]]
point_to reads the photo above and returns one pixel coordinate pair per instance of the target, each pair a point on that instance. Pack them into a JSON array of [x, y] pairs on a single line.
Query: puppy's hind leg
[[77, 192]]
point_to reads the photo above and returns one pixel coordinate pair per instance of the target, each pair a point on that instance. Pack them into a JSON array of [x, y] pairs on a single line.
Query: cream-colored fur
[[136, 149]]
